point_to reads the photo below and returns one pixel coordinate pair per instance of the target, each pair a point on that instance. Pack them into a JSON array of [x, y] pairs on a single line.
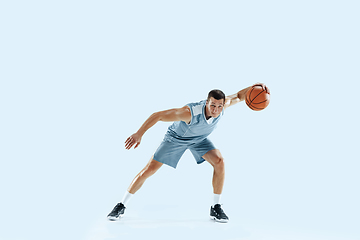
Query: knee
[[219, 163], [148, 171]]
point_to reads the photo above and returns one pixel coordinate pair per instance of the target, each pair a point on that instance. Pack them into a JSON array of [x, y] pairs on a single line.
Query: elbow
[[157, 116]]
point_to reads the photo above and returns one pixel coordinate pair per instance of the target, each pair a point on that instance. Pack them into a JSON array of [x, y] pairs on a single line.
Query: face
[[214, 107]]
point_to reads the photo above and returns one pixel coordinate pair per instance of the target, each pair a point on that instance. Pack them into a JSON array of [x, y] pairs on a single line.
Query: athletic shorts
[[169, 152]]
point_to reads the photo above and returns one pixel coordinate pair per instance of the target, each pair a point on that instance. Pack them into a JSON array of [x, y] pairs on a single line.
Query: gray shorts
[[170, 152]]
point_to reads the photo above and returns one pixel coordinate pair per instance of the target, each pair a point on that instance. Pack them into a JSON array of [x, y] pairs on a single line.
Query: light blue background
[[79, 77]]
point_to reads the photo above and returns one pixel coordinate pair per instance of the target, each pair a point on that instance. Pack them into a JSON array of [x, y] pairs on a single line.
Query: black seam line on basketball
[[247, 97], [250, 93], [260, 102], [247, 100], [251, 107], [256, 96], [256, 108]]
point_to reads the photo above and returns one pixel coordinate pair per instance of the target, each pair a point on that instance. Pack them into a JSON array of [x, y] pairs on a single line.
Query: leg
[[151, 167], [217, 161], [215, 158]]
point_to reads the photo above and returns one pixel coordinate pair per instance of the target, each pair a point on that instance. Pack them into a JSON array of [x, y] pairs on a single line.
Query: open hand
[[134, 139]]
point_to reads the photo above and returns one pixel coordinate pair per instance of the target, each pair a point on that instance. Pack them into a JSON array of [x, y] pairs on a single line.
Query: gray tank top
[[197, 130]]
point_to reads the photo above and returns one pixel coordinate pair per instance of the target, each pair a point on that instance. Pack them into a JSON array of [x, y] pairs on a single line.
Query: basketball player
[[193, 123]]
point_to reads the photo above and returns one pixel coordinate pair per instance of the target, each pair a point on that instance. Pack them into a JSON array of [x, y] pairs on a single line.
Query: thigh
[[200, 149], [169, 153], [153, 165]]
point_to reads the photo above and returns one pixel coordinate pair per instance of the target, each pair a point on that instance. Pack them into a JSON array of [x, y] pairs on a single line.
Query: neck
[[207, 115]]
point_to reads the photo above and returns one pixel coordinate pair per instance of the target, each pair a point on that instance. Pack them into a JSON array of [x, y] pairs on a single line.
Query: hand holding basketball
[[258, 97]]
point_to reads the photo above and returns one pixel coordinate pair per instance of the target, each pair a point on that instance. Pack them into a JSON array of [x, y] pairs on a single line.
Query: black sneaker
[[117, 212], [218, 214]]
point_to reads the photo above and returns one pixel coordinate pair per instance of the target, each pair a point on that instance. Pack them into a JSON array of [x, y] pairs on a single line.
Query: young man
[[193, 123]]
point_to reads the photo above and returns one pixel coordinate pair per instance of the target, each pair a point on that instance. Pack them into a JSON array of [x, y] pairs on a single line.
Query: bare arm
[[236, 98], [171, 115]]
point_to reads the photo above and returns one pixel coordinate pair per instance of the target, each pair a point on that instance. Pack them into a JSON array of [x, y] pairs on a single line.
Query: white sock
[[126, 198], [217, 198]]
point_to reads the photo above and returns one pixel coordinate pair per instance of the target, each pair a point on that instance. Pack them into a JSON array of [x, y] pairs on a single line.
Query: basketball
[[257, 98]]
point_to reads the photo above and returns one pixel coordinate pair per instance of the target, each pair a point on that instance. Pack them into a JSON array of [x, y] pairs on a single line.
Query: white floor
[[254, 214], [172, 224]]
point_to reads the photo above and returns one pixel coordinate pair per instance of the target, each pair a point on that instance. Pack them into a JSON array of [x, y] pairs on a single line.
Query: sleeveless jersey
[[198, 128]]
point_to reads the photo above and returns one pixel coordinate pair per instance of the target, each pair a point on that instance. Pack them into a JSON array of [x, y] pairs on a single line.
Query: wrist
[[140, 132], [242, 93]]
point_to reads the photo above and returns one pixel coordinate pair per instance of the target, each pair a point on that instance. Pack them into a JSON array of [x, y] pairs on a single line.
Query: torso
[[195, 128]]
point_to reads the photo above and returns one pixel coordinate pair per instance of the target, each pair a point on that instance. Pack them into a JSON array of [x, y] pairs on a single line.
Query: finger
[[259, 85], [267, 90], [129, 146], [137, 144], [262, 86], [127, 142]]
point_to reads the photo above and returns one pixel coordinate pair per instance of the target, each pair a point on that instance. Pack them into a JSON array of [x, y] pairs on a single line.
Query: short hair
[[217, 94]]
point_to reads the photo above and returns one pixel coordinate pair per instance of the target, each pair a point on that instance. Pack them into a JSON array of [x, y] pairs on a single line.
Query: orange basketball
[[257, 98]]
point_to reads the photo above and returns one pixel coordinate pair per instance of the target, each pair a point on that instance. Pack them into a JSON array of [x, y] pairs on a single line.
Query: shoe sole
[[219, 220], [115, 218]]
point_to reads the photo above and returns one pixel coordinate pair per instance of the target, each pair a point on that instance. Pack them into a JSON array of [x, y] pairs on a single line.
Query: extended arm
[[240, 96], [236, 98], [171, 115]]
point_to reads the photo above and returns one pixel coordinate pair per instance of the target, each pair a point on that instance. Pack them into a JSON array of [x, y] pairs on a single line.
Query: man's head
[[215, 103]]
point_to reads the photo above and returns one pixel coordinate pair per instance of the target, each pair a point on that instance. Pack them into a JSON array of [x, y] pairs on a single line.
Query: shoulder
[[174, 115], [185, 109], [185, 114], [196, 108], [202, 102]]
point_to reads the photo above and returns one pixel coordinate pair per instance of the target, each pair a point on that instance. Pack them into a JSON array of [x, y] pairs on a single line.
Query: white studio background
[[79, 77]]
